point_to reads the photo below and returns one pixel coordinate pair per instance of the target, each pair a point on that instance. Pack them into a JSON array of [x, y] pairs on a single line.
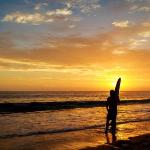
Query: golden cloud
[[145, 34], [71, 50], [121, 24]]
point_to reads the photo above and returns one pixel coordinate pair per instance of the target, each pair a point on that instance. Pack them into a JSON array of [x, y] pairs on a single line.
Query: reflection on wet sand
[[134, 143], [110, 138]]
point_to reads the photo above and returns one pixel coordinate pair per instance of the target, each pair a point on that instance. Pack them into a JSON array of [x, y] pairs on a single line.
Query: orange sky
[[72, 45]]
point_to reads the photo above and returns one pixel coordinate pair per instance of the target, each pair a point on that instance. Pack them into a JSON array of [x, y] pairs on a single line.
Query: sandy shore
[[89, 140], [141, 142]]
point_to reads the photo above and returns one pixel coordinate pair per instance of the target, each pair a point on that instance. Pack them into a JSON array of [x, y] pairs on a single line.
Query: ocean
[[70, 128], [62, 96]]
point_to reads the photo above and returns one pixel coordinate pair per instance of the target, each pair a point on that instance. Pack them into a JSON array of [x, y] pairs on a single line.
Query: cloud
[[37, 18], [75, 19], [24, 18], [131, 1], [76, 49], [32, 66], [121, 24], [89, 8], [70, 63], [39, 5], [118, 52], [136, 8], [72, 26], [145, 9], [81, 45], [145, 34], [66, 9], [84, 6], [22, 65], [59, 12], [146, 24], [136, 43]]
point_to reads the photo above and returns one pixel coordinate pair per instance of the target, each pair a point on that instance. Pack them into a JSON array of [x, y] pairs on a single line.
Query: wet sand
[[91, 139], [141, 142]]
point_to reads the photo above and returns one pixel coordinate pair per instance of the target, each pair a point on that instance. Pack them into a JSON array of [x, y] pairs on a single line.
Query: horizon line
[[71, 91]]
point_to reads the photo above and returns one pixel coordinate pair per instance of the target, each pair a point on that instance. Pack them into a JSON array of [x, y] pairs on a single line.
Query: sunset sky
[[74, 44]]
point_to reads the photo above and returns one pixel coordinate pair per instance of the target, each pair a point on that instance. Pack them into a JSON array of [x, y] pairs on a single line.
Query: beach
[[141, 142], [90, 139], [79, 127]]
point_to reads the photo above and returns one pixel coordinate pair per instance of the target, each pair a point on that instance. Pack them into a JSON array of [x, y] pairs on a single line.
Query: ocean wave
[[41, 106], [64, 130]]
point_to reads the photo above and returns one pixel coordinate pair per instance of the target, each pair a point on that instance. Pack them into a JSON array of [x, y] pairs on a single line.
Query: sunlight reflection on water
[[74, 119]]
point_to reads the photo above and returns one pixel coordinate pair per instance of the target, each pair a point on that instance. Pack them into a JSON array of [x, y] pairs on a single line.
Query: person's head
[[112, 92]]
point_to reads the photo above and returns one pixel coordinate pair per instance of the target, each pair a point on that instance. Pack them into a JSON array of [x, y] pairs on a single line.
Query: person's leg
[[113, 124], [107, 124], [114, 138]]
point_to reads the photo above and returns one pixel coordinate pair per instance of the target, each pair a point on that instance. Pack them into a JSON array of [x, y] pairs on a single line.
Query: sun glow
[[110, 81]]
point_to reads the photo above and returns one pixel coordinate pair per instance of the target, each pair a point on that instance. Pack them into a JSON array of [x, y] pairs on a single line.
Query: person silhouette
[[111, 106]]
